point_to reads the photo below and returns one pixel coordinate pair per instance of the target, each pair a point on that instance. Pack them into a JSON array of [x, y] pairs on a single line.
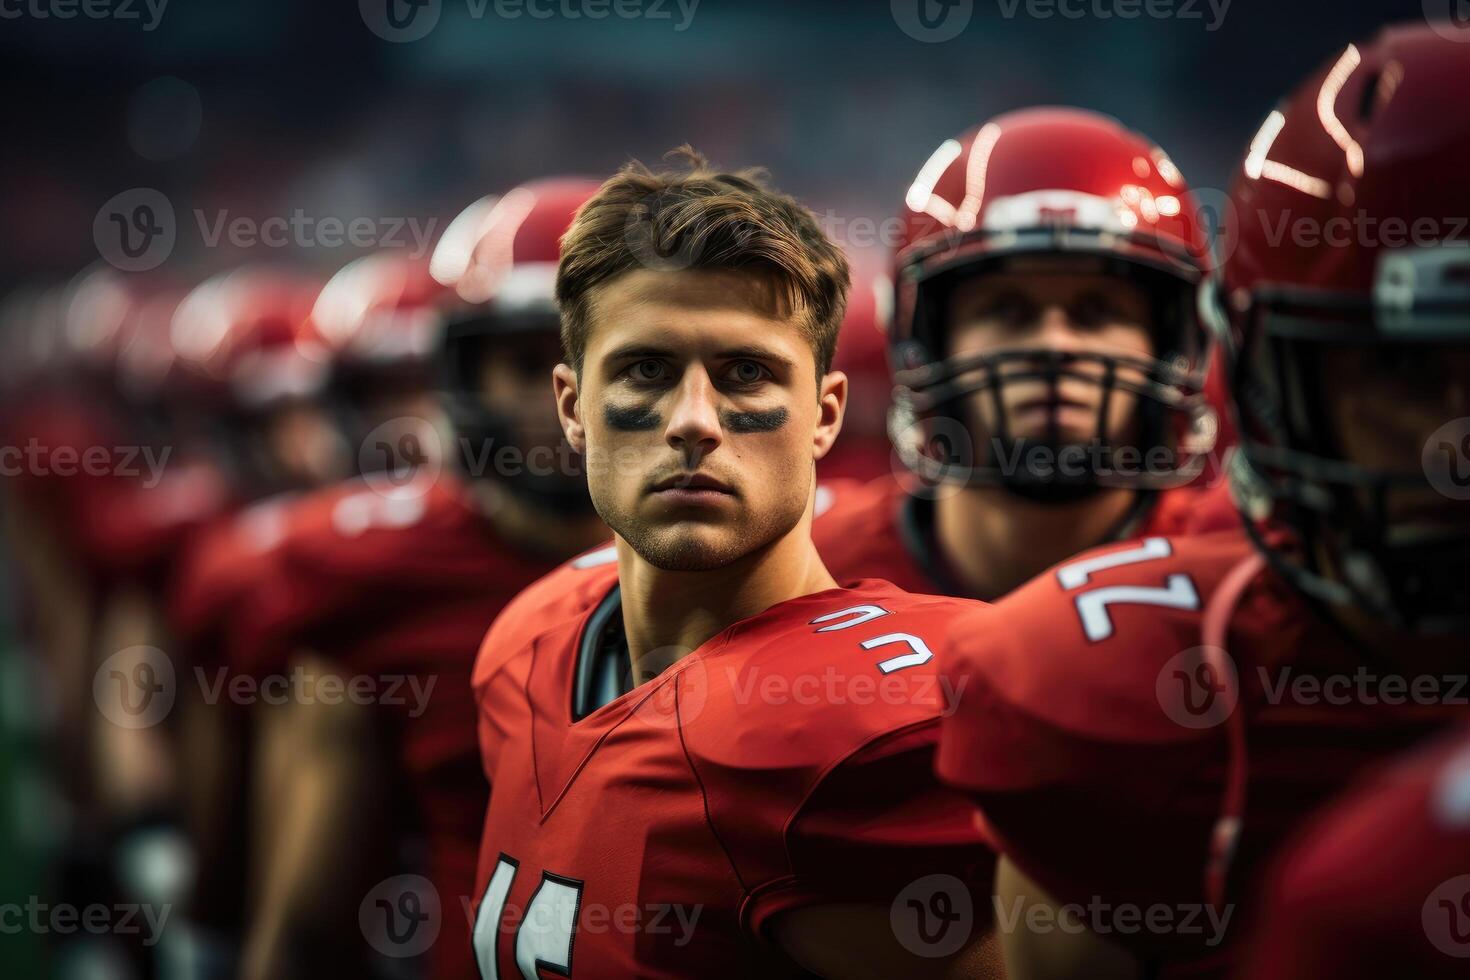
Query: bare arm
[[318, 804], [1053, 953]]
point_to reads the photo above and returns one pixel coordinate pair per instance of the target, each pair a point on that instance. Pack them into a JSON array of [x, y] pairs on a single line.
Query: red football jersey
[[133, 528], [218, 571], [122, 509], [878, 530], [1096, 728], [1379, 884], [786, 762], [398, 589]]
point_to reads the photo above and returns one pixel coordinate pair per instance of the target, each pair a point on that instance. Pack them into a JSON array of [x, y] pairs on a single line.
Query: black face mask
[[1292, 469], [556, 488], [1047, 469]]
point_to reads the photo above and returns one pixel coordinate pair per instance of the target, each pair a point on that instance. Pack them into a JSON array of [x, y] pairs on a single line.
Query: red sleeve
[[285, 611], [1378, 885], [1086, 779], [877, 825]]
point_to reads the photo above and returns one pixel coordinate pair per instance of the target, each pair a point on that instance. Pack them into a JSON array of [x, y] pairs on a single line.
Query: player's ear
[[832, 403], [569, 406]]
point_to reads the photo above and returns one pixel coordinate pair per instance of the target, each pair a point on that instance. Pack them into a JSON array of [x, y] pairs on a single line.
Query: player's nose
[[694, 421], [1054, 327]]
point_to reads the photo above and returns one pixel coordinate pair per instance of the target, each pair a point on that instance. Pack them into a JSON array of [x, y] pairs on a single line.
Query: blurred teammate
[[1048, 359], [864, 452], [657, 806], [1378, 884], [1145, 723], [256, 368], [386, 584]]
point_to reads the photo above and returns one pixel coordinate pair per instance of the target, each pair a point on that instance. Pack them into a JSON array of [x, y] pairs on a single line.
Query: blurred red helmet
[[1029, 186], [250, 331], [514, 243], [96, 313], [380, 312], [149, 367], [500, 257], [862, 354], [116, 330], [1367, 156]]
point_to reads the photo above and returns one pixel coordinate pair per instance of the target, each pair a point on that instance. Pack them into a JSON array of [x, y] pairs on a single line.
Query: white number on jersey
[[1177, 592], [543, 939]]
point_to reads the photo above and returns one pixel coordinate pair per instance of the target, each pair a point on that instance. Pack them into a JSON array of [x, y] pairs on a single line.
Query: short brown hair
[[697, 217]]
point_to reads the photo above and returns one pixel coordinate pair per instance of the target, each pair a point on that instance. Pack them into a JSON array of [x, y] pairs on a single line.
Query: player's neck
[[528, 528], [995, 541], [667, 614]]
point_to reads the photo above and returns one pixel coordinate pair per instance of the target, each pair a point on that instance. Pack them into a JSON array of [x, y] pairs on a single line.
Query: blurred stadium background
[[262, 108], [272, 108]]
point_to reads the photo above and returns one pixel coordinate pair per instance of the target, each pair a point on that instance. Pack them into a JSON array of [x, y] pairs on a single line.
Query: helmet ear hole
[[1368, 102]]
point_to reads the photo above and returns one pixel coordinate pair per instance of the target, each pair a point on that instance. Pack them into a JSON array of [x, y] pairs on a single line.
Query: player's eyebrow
[[637, 350], [750, 351]]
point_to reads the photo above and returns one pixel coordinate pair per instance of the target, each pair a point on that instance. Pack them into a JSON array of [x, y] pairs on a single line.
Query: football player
[[386, 584], [243, 345], [1145, 722], [1047, 356], [705, 758], [1378, 885]]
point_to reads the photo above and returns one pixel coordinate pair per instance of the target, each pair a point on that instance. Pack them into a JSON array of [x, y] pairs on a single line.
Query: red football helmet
[[1369, 156], [380, 316], [863, 451], [249, 334], [500, 257], [1016, 194], [379, 313], [115, 333], [251, 331]]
